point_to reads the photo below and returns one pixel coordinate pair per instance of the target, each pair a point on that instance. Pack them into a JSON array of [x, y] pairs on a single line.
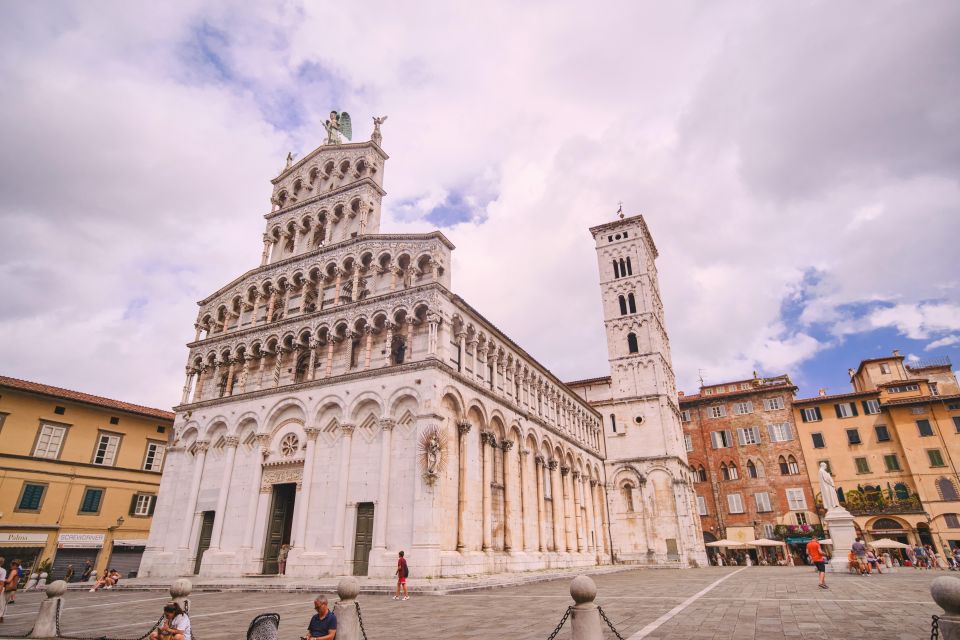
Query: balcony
[[860, 505], [915, 365]]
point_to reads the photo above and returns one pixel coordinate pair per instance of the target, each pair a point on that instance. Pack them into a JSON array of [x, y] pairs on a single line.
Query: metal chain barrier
[[363, 631], [563, 620], [609, 624], [935, 628], [155, 626]]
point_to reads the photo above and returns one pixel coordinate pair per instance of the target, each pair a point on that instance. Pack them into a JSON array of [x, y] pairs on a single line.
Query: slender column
[[539, 463], [393, 278], [216, 378], [568, 521], [368, 330], [487, 438], [321, 291], [462, 336], [198, 388], [278, 366], [228, 390], [473, 344], [408, 356], [190, 512], [255, 303], [197, 327], [309, 460], [506, 445], [244, 373], [589, 526], [336, 285], [595, 511], [266, 250], [313, 359], [463, 428], [521, 460], [186, 386], [271, 304], [481, 369], [604, 516], [355, 289], [342, 482], [494, 361], [329, 368], [559, 541], [388, 345], [221, 512], [329, 231], [261, 369], [577, 513], [287, 288], [297, 234], [380, 529], [432, 323], [259, 454]]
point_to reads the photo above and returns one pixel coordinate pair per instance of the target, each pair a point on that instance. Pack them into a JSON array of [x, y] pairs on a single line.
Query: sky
[[796, 163]]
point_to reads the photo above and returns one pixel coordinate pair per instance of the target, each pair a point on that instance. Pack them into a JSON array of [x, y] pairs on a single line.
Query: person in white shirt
[[174, 626], [3, 579]]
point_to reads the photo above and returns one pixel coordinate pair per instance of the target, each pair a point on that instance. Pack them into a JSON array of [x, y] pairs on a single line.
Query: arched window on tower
[[733, 471], [947, 489], [632, 302], [628, 496], [784, 470], [616, 269], [751, 469], [724, 472], [303, 363], [623, 306], [623, 267], [632, 343], [792, 466], [701, 474], [629, 267]]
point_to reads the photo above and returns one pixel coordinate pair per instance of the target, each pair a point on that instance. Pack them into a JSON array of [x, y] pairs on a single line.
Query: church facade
[[341, 400]]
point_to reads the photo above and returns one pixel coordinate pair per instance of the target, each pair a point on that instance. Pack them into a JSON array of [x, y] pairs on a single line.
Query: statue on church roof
[[376, 137], [338, 125]]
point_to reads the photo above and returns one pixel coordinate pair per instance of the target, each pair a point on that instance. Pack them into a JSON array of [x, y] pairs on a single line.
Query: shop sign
[[799, 540], [25, 539], [80, 540]]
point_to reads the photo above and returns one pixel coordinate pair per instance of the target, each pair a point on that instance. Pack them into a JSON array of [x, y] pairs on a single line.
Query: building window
[[923, 426], [845, 409], [780, 432], [768, 532], [748, 435], [91, 500], [948, 490], [154, 457], [31, 497], [632, 343], [893, 464], [688, 442], [49, 441], [724, 473], [107, 446], [936, 458], [701, 474], [883, 435], [903, 388], [884, 367], [623, 305], [818, 442], [871, 407], [792, 466], [142, 504], [701, 505], [632, 303], [953, 406], [951, 520], [801, 518], [721, 439], [613, 422], [853, 436], [732, 472], [811, 415], [717, 411], [796, 500], [956, 423], [627, 491], [751, 469], [742, 408], [708, 392], [862, 466], [784, 469], [685, 415], [763, 501], [735, 503], [934, 390], [772, 404]]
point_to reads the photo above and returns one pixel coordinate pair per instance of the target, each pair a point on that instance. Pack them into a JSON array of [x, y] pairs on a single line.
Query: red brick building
[[750, 473]]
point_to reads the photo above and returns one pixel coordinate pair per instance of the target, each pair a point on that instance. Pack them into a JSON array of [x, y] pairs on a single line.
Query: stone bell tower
[[652, 502]]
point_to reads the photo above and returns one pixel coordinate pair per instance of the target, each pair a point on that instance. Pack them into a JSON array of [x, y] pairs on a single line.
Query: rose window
[[289, 444]]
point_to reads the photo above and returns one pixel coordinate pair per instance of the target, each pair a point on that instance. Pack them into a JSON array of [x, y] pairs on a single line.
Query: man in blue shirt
[[323, 626]]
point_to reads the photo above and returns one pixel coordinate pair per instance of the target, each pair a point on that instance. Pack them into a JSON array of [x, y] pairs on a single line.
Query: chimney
[[896, 353], [850, 372], [680, 393], [822, 392]]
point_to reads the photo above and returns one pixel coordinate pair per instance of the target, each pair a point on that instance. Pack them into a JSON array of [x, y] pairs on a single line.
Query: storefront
[[75, 549], [126, 555], [25, 547]]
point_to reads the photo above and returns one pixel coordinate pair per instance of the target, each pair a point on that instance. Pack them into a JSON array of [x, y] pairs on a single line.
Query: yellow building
[[79, 475], [892, 445]]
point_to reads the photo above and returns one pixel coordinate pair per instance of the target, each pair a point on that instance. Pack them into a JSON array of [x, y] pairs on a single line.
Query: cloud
[[943, 342], [763, 143]]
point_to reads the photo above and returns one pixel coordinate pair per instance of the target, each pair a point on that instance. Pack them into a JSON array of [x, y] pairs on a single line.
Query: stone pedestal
[[48, 618], [840, 524], [348, 622], [945, 591]]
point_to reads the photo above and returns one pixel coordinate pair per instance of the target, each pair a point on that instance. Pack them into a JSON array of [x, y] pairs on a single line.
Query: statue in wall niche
[[828, 490], [338, 127], [432, 450]]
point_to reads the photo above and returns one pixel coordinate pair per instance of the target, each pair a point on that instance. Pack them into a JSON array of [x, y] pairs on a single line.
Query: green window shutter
[[853, 407], [133, 504], [836, 408], [816, 410], [153, 505]]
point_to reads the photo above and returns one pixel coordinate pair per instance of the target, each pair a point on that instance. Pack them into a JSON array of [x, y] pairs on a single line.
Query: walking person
[[282, 559], [815, 551], [323, 625], [402, 572], [11, 583], [87, 571], [921, 556], [3, 579]]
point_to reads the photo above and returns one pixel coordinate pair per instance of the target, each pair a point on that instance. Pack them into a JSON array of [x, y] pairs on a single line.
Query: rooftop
[[86, 398]]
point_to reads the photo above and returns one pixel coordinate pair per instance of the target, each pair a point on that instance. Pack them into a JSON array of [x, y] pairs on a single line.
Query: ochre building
[[892, 445], [79, 476]]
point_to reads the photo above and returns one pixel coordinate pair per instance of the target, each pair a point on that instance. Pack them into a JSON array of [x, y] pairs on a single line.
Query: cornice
[[364, 181], [305, 160], [625, 222]]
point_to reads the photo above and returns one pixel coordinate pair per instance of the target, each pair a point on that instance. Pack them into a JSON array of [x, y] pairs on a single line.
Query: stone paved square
[[753, 602]]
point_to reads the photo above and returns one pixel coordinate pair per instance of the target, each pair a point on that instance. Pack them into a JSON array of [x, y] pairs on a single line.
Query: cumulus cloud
[[762, 142]]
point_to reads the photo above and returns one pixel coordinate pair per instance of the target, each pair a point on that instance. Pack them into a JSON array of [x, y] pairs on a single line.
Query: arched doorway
[[889, 528], [923, 532]]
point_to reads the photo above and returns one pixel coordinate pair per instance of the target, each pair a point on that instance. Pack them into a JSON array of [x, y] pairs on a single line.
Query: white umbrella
[[725, 543], [887, 543], [763, 542]]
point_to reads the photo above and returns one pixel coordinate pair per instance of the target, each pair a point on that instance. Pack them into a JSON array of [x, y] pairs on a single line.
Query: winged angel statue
[[338, 127]]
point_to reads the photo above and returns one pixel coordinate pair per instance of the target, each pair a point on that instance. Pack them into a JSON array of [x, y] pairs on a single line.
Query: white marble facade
[[341, 399]]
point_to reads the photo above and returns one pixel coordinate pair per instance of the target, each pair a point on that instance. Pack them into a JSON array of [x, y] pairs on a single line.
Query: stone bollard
[[945, 591], [42, 583], [348, 621], [585, 618], [48, 618], [31, 582], [180, 592]]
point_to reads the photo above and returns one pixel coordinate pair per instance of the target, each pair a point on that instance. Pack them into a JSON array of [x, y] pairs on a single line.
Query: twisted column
[[336, 285]]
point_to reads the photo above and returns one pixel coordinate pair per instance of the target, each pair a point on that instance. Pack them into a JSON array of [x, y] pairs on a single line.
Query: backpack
[[406, 569]]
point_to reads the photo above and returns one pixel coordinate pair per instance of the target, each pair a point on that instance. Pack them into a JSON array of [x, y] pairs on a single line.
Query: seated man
[[108, 580], [323, 625]]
